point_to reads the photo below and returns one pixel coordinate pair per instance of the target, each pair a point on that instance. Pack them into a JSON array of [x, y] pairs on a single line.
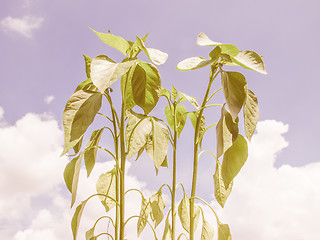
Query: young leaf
[[167, 230], [174, 93], [90, 234], [91, 150], [116, 42], [224, 232], [193, 63], [135, 47], [146, 85], [88, 64], [104, 71], [226, 131], [157, 206], [71, 176], [233, 159], [106, 185], [207, 230], [235, 91], [156, 56], [87, 85], [220, 191], [144, 213], [166, 93], [75, 222], [192, 100], [184, 214], [78, 114], [137, 135], [181, 117], [251, 114], [250, 60]]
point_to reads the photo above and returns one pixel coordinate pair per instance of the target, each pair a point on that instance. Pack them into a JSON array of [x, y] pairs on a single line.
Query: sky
[[276, 196]]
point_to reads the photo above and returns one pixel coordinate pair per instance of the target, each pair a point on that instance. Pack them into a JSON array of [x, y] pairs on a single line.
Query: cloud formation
[[24, 26], [49, 99]]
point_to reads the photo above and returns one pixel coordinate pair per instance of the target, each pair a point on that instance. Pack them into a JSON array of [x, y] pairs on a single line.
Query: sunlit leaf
[[166, 93], [192, 100], [88, 64], [91, 151], [184, 214], [114, 41], [135, 48], [144, 213], [250, 60], [71, 176], [87, 85], [207, 230], [233, 159], [106, 185], [157, 206], [193, 63], [90, 234], [174, 93], [75, 222], [235, 91], [156, 56], [251, 114], [78, 114], [181, 117], [224, 232], [104, 71]]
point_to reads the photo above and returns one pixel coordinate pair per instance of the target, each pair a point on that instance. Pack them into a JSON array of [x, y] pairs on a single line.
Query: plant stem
[[174, 176]]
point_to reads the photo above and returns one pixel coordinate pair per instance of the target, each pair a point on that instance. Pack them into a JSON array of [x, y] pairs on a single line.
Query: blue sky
[[42, 42]]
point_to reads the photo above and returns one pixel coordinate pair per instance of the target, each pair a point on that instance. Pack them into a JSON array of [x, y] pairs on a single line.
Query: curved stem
[[108, 234], [214, 93], [112, 222], [182, 234], [208, 205], [154, 232], [112, 155]]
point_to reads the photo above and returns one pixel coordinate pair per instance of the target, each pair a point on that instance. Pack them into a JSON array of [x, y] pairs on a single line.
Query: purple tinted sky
[[285, 32]]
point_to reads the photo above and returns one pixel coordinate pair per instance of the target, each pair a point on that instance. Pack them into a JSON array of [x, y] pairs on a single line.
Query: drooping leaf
[[87, 85], [193, 63], [144, 213], [146, 85], [192, 100], [78, 114], [235, 91], [251, 114], [91, 150], [137, 132], [90, 234], [233, 159], [157, 145], [167, 230], [157, 206], [77, 147], [165, 162], [181, 117], [220, 191], [106, 185], [88, 64], [156, 56], [250, 60], [226, 130], [184, 214], [114, 41], [71, 176], [207, 230], [224, 232], [75, 222]]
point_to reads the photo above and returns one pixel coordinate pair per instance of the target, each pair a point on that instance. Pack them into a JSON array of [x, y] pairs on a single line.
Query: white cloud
[[49, 99], [24, 26], [1, 113]]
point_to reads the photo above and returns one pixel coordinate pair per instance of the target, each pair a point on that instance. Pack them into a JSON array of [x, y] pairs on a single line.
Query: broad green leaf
[[87, 85], [104, 71], [250, 60], [226, 130], [235, 91], [166, 93], [157, 145], [78, 114], [203, 40], [192, 100], [91, 150], [233, 159], [181, 117], [77, 147], [90, 234], [75, 222], [106, 185], [71, 176], [184, 214], [137, 132], [215, 54], [127, 95], [224, 232], [193, 63], [146, 85], [156, 56], [167, 230], [157, 206], [220, 191], [88, 64], [114, 41], [144, 213], [251, 114], [207, 230]]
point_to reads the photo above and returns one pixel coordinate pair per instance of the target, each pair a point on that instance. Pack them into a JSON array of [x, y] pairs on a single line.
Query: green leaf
[[207, 230], [235, 91], [90, 233], [181, 117], [193, 63], [192, 100], [71, 176], [78, 114], [193, 117], [251, 114], [75, 222], [215, 54], [233, 159], [166, 93], [106, 185], [156, 56], [87, 85], [137, 132], [128, 95], [144, 213], [174, 93], [220, 191], [157, 144], [203, 40], [135, 47], [226, 130], [184, 214], [114, 41], [167, 230], [250, 60], [157, 206], [104, 71], [91, 150], [223, 232], [88, 64], [146, 85], [77, 147]]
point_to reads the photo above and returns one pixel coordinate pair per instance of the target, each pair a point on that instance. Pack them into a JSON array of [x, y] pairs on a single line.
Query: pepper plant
[[134, 132]]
